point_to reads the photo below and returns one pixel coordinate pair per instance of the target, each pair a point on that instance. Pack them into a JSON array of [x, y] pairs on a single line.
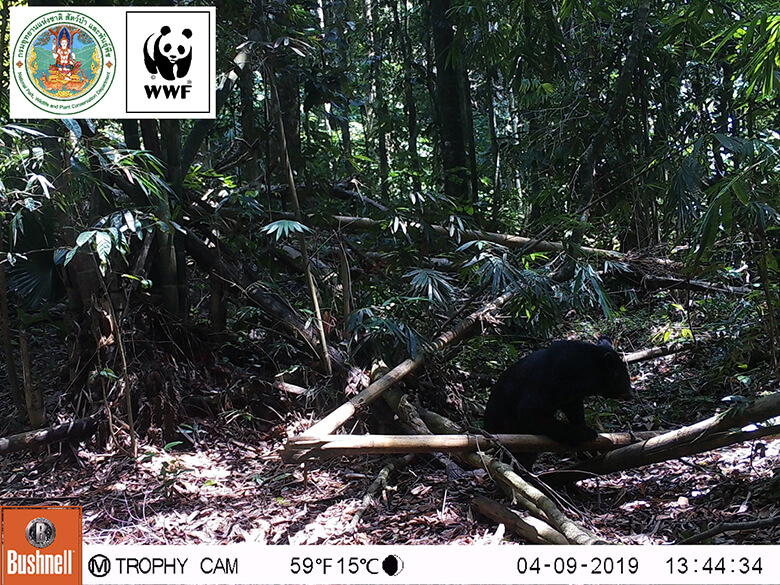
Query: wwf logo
[[168, 53]]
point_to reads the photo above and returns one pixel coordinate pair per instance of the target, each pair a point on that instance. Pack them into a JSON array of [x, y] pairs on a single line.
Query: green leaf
[[284, 227], [129, 220], [84, 237], [103, 245], [741, 191], [73, 126], [69, 256]]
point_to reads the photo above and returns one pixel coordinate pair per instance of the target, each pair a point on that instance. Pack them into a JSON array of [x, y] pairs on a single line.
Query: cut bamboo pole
[[344, 412]]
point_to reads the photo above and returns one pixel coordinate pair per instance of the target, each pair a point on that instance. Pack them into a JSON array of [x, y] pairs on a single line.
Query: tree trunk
[[132, 137], [380, 106], [590, 158], [248, 125], [449, 103], [17, 394], [410, 105], [33, 393], [287, 166], [337, 15]]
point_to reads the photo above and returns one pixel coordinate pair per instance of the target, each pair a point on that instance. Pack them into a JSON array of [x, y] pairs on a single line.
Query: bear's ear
[[165, 30], [187, 32]]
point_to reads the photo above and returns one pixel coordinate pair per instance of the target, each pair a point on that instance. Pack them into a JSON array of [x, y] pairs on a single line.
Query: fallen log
[[717, 431], [344, 412], [517, 488], [302, 447], [529, 527], [344, 222], [76, 429]]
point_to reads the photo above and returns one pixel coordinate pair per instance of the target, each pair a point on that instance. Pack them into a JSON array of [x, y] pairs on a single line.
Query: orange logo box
[[41, 544]]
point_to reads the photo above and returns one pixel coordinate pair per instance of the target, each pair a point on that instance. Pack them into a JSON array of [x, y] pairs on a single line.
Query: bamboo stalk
[[344, 412], [309, 447]]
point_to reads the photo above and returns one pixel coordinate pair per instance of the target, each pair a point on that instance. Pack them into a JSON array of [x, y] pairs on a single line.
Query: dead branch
[[321, 447], [516, 487], [648, 281], [530, 528], [289, 388], [670, 348], [76, 429], [712, 433], [651, 282], [343, 222], [643, 279], [732, 527], [654, 352], [343, 413], [380, 483]]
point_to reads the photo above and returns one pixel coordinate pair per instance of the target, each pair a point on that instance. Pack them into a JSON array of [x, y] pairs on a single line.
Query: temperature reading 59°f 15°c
[[343, 566]]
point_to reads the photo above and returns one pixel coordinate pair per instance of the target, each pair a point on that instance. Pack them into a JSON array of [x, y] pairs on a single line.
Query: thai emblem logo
[[64, 62]]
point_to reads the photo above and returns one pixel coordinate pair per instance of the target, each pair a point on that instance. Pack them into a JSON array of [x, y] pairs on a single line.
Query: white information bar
[[345, 565]]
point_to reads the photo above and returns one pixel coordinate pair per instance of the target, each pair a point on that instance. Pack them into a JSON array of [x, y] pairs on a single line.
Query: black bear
[[527, 395], [169, 53]]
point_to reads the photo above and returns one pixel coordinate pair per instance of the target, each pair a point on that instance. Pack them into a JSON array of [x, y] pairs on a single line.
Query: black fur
[[527, 395]]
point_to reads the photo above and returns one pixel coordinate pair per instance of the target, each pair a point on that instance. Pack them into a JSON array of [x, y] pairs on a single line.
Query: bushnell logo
[[40, 532]]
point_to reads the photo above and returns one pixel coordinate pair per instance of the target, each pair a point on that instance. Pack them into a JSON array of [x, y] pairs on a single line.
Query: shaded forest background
[[377, 171]]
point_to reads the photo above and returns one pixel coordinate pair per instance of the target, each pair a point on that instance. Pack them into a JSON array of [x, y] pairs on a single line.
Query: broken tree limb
[[344, 222], [532, 499], [343, 413], [517, 488], [530, 528], [308, 447], [379, 484], [273, 306], [712, 433], [677, 346], [76, 429], [658, 351], [650, 282], [732, 527]]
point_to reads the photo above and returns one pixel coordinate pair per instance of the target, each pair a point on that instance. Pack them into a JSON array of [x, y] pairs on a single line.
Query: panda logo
[[168, 53]]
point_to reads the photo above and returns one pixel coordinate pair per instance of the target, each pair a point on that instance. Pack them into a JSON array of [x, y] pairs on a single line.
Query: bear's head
[[174, 46]]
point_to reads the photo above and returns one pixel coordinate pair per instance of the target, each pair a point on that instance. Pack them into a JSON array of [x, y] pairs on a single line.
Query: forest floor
[[234, 488], [229, 483]]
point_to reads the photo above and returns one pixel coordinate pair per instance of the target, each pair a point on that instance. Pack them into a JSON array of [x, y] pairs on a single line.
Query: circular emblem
[[99, 565], [40, 532], [64, 62]]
